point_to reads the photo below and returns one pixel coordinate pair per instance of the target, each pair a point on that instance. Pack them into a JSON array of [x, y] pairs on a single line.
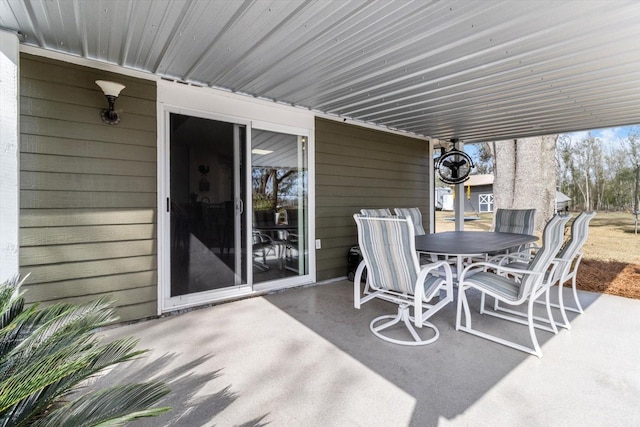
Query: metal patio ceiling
[[475, 70]]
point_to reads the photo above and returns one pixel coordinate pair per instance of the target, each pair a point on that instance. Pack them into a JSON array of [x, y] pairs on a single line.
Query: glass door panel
[[280, 209], [206, 190]]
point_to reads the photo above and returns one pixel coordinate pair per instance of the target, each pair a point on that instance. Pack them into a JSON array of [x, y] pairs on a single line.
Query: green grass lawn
[[611, 234]]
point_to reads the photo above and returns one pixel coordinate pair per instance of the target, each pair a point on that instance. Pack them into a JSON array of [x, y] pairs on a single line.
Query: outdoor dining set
[[512, 273]]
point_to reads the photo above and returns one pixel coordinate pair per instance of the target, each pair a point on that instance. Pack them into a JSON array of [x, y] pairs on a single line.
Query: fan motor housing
[[454, 166]]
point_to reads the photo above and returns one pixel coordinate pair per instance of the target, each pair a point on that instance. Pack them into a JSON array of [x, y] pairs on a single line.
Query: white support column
[[458, 207], [9, 154], [432, 187], [459, 201]]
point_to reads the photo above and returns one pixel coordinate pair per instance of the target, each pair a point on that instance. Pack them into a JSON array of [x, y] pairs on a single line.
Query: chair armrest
[[516, 256], [262, 237], [427, 269], [499, 269], [357, 301]]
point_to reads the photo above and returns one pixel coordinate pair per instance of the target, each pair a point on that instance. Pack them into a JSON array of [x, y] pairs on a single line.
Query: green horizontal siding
[[360, 168], [88, 190]]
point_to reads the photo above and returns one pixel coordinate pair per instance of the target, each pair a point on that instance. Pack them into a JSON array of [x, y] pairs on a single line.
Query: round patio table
[[463, 244]]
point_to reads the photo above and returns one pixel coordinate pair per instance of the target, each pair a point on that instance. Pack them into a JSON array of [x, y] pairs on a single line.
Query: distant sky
[[609, 136]]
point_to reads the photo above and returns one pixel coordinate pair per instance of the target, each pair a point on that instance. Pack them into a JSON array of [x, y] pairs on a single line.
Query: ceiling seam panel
[[391, 67], [126, 40], [484, 98], [322, 67], [28, 5], [525, 81], [169, 41], [82, 28], [370, 57], [309, 39], [444, 78], [256, 45], [234, 19]]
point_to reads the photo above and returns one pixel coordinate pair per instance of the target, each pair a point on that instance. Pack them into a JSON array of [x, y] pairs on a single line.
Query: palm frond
[[110, 407], [47, 355]]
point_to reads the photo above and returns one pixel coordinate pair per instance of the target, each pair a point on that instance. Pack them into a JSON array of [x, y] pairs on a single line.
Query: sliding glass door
[[236, 218], [205, 203], [279, 176]]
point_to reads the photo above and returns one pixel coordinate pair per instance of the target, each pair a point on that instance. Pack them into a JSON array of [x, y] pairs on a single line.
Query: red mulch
[[609, 277]]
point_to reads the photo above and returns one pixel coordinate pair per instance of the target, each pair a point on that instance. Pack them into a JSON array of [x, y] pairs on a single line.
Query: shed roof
[[476, 180], [561, 197]]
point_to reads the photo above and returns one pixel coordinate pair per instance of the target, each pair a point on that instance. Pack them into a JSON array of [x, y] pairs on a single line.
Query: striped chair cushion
[[386, 246], [431, 283], [416, 218], [376, 212], [579, 233], [506, 288], [552, 238], [515, 221]]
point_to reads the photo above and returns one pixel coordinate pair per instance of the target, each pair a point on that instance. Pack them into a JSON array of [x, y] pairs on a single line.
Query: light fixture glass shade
[[110, 88]]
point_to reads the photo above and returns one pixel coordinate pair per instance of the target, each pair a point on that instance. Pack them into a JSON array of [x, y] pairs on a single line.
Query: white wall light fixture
[[111, 91]]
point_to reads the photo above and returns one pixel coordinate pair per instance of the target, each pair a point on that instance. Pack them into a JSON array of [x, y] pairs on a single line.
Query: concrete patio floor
[[306, 357]]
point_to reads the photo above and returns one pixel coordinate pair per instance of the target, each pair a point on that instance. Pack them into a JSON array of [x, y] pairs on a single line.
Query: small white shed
[[562, 201]]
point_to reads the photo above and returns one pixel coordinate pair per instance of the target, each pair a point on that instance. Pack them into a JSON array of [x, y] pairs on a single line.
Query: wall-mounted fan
[[454, 166]]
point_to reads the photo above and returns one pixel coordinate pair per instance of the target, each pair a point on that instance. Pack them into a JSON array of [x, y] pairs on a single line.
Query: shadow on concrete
[[445, 378], [186, 381]]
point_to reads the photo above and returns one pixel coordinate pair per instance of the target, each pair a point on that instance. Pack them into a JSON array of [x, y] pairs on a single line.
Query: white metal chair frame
[[404, 265], [376, 212], [416, 218], [516, 221], [569, 259], [263, 244], [568, 262], [515, 287]]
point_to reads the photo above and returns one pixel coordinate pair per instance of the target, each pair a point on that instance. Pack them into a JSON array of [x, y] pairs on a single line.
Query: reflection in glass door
[[206, 193], [279, 176]]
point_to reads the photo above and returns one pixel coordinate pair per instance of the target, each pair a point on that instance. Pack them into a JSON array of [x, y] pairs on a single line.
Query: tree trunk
[[525, 176], [635, 196]]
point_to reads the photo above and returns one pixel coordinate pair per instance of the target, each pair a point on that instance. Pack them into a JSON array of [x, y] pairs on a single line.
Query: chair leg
[[463, 304], [550, 318], [532, 328], [357, 300], [520, 317], [575, 292], [563, 312], [563, 307]]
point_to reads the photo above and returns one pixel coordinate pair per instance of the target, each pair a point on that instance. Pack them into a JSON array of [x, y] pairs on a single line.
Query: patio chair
[[515, 221], [289, 239], [568, 260], [416, 217], [262, 246], [522, 261], [394, 274], [521, 221], [376, 212], [514, 287]]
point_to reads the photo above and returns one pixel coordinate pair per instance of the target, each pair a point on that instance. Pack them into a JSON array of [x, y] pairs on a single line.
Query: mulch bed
[[609, 277]]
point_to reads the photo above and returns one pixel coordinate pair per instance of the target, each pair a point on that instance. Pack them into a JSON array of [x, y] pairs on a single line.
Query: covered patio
[[368, 88], [306, 357], [375, 86]]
